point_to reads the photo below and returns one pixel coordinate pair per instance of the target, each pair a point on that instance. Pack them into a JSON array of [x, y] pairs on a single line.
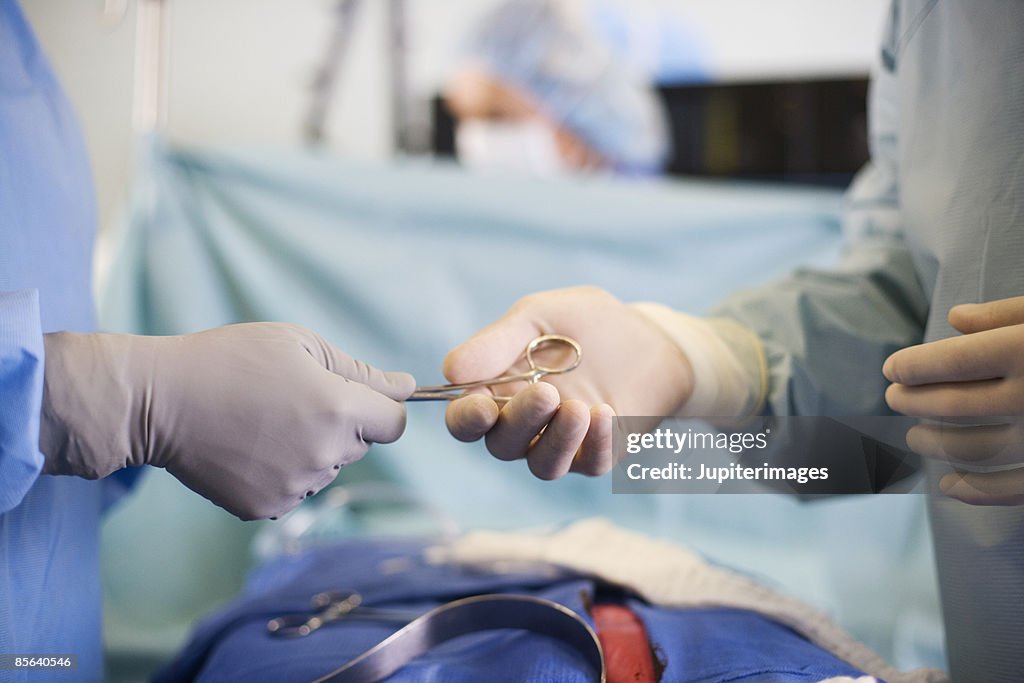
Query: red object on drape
[[627, 651]]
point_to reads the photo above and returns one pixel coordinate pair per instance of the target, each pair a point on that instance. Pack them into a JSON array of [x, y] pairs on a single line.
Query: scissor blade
[[431, 394]]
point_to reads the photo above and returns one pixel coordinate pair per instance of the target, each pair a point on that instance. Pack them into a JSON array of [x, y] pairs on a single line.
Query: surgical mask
[[523, 146]]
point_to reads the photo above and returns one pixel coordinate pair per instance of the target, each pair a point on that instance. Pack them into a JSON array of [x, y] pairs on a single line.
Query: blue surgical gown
[[49, 567]]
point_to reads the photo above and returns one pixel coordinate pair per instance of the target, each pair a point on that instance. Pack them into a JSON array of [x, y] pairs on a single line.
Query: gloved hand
[[629, 367], [978, 374], [254, 417]]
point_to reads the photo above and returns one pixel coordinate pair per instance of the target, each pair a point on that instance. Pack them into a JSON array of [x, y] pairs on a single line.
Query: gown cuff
[[729, 370], [21, 389]]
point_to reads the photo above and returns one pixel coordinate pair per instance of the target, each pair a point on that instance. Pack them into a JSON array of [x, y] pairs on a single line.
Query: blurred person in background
[[537, 90]]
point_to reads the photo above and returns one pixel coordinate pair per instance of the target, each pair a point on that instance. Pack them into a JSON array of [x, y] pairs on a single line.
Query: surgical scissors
[[536, 372], [331, 606]]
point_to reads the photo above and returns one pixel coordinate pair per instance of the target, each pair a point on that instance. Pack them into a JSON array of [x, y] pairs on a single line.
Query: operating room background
[[239, 76], [240, 71]]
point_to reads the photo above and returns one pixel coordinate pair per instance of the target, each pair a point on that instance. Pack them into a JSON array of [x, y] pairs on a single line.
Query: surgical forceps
[[536, 372], [331, 606]]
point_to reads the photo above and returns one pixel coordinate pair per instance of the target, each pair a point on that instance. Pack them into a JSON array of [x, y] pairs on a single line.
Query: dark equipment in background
[[808, 131]]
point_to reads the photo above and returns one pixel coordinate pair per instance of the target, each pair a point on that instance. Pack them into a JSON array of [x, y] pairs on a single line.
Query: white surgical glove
[[629, 367], [254, 417]]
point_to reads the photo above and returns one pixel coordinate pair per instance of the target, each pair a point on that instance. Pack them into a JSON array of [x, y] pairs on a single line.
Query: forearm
[[825, 335]]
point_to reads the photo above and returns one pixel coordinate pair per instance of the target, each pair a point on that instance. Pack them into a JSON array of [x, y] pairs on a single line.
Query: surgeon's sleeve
[[824, 335], [21, 394], [812, 343]]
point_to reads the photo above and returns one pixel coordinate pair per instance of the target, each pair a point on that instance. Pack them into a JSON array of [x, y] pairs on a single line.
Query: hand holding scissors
[[535, 373], [564, 423]]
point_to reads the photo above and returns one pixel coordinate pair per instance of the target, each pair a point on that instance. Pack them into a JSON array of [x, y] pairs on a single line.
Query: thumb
[[397, 386], [492, 350]]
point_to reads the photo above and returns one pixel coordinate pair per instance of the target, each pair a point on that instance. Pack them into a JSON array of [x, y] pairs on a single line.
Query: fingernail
[[892, 398], [887, 369], [963, 310]]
